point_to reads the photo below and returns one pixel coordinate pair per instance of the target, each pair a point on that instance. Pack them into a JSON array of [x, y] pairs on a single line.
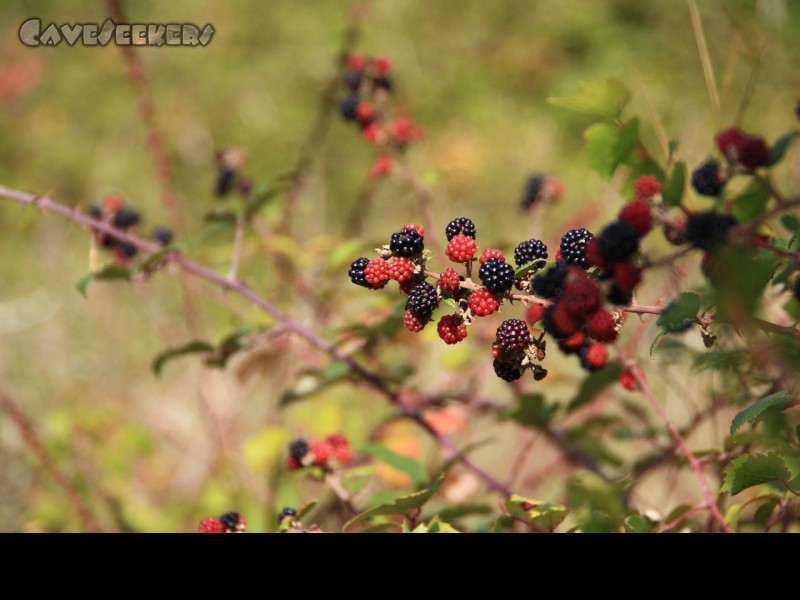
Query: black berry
[[224, 181], [382, 83], [460, 225], [230, 520], [497, 275], [287, 512], [706, 179], [707, 230], [357, 272], [347, 107], [125, 218], [548, 283], [532, 191], [529, 251], [129, 250], [353, 80], [513, 334], [163, 235], [298, 449], [422, 300], [95, 212], [573, 247], [618, 241], [508, 367], [407, 243], [617, 295]]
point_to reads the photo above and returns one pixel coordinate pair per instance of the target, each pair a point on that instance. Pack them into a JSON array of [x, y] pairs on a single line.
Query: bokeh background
[[159, 453]]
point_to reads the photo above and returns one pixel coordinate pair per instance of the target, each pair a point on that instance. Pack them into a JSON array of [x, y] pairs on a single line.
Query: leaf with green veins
[[107, 272], [637, 523], [451, 302], [193, 347], [679, 314], [546, 515], [526, 268], [604, 98], [780, 147], [594, 383], [402, 463], [747, 471], [779, 400], [751, 203], [672, 192]]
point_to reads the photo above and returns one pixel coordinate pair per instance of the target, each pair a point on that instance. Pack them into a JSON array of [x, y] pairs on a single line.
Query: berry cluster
[[367, 83], [328, 453], [230, 522]]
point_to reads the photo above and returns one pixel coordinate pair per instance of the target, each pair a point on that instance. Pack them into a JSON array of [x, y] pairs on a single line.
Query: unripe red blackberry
[[482, 302], [365, 112], [418, 228], [593, 356], [627, 276], [529, 251], [413, 323], [460, 225], [451, 329], [573, 343], [380, 167], [533, 190], [512, 335], [497, 275], [461, 248], [534, 314], [573, 247], [618, 241], [422, 300], [595, 256], [508, 367], [754, 152], [211, 525], [401, 269], [549, 282], [638, 214], [729, 142], [320, 451], [646, 186], [407, 243], [559, 322], [708, 179], [601, 326], [449, 280], [491, 253], [581, 295], [376, 273], [628, 381], [707, 230]]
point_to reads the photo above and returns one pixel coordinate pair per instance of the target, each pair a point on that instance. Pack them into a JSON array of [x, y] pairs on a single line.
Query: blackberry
[[497, 275], [618, 241], [125, 218], [513, 334], [224, 181], [548, 283], [460, 225], [353, 80], [706, 179], [508, 367], [128, 250], [619, 296], [163, 235], [357, 272], [298, 449], [422, 300], [382, 83], [529, 251], [348, 105], [96, 212], [533, 191], [707, 230], [407, 243], [286, 512], [230, 520], [573, 247]]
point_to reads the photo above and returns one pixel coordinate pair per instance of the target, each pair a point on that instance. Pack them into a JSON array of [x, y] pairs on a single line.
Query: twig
[[705, 58]]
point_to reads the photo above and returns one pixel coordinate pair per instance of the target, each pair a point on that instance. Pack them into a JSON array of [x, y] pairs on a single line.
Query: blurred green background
[[158, 454]]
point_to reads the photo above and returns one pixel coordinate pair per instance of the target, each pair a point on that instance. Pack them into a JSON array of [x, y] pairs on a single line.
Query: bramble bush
[[632, 368]]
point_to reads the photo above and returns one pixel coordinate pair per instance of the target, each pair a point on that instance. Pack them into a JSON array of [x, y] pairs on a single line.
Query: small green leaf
[[594, 383], [437, 526], [780, 147], [604, 98], [732, 515], [532, 410], [752, 412], [403, 463], [601, 139], [526, 268], [148, 264], [400, 506], [764, 512], [546, 515], [192, 347], [305, 509], [107, 272], [751, 202], [747, 471], [230, 345], [451, 302], [791, 222], [626, 142], [637, 523], [679, 314], [659, 336], [672, 192], [453, 513], [792, 307]]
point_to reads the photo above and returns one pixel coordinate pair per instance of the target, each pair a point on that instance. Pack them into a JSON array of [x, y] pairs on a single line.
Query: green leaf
[[720, 360], [791, 222], [594, 383], [305, 509], [311, 381], [739, 278], [230, 345], [400, 506], [751, 202], [601, 139], [192, 347], [107, 272], [780, 147], [450, 302], [747, 471], [637, 523], [764, 512], [453, 513], [679, 314], [604, 98], [752, 412], [437, 526], [532, 410], [526, 268], [403, 463], [659, 336], [546, 515], [672, 192], [792, 307], [626, 142], [732, 515]]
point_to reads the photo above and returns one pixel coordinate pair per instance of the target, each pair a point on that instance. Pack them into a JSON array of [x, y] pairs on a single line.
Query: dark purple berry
[[357, 272], [353, 80], [548, 283], [230, 520], [125, 218], [128, 250], [347, 107], [706, 179], [422, 300], [508, 367], [618, 241], [707, 230], [407, 243], [460, 225], [619, 296], [298, 449], [497, 275], [286, 512], [532, 192], [513, 334], [163, 235], [529, 251], [573, 247], [224, 181]]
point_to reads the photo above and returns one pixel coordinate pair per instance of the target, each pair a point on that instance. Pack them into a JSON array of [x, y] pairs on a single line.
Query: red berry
[[627, 276], [356, 61], [412, 322], [451, 329], [496, 350], [601, 326], [754, 152], [292, 464], [595, 355], [581, 295], [646, 186], [337, 440], [482, 302], [375, 133], [418, 228], [405, 130], [211, 525], [729, 141], [491, 253], [381, 167], [401, 269], [376, 273], [628, 381], [573, 342], [365, 112], [344, 454], [449, 280], [638, 214], [461, 248], [320, 451], [564, 320], [534, 314], [113, 202], [383, 65]]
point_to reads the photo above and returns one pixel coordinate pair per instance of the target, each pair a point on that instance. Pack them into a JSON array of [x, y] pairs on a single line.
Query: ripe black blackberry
[[529, 251], [347, 107], [125, 218], [163, 235], [298, 449], [706, 179], [230, 520], [407, 243], [95, 212], [497, 275], [460, 225], [548, 283], [422, 300], [382, 83], [618, 241], [128, 250], [508, 367], [617, 295], [532, 191], [357, 272], [512, 335], [353, 80], [286, 512], [707, 230], [225, 180], [573, 247]]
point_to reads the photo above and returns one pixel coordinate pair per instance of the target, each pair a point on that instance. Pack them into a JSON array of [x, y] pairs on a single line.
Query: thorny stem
[[369, 377]]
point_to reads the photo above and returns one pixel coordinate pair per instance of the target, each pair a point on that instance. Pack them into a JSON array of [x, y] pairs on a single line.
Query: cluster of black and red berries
[[114, 212], [742, 152], [329, 453], [230, 522], [368, 82]]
